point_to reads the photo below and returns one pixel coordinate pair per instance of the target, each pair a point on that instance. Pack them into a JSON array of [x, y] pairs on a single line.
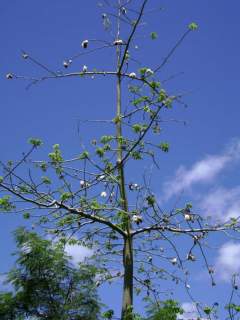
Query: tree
[[45, 284], [93, 194], [166, 310]]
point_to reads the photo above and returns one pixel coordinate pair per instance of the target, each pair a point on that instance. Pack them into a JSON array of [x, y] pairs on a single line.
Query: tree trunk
[[127, 302]]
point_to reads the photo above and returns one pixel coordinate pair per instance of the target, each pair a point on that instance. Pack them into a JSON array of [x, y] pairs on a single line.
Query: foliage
[[35, 142], [166, 310], [193, 26], [46, 285], [5, 203], [154, 35]]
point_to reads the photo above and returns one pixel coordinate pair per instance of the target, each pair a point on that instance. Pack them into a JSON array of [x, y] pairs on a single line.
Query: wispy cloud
[[203, 171], [222, 203], [77, 253], [228, 262]]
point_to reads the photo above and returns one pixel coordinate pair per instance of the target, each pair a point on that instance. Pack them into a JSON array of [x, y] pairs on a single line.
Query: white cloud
[[202, 171], [222, 203], [228, 262], [77, 253], [190, 312]]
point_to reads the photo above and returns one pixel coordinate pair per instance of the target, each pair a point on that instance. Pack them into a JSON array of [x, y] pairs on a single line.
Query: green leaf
[[107, 147], [5, 204], [65, 196], [151, 200], [72, 241], [168, 103], [164, 146], [56, 156], [162, 95], [188, 206], [139, 100], [142, 71], [137, 127], [193, 26], [46, 180], [108, 314], [147, 109], [155, 85], [35, 142], [10, 163], [106, 139], [68, 220], [100, 152], [24, 188], [233, 221], [207, 310], [95, 205], [154, 35], [43, 166], [84, 155], [26, 215], [117, 119], [136, 155], [233, 306]]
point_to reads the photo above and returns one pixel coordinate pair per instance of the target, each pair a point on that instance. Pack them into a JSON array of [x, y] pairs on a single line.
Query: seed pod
[[85, 68], [103, 194], [84, 44], [173, 261], [137, 219], [132, 75], [66, 63], [25, 55], [187, 217], [149, 72], [191, 257], [124, 10], [210, 270], [82, 183], [130, 186], [149, 259], [118, 42], [9, 76]]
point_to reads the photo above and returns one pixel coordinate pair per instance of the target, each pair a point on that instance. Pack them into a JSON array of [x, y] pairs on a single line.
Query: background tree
[[166, 310], [93, 195], [46, 285]]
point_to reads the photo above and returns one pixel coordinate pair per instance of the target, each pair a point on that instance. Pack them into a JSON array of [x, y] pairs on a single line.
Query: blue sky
[[53, 30]]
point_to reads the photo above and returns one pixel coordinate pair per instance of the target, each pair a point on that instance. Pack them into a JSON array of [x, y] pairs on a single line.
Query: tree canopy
[[45, 285]]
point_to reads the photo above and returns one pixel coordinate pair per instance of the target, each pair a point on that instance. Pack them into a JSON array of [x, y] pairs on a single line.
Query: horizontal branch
[[81, 74], [178, 230]]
